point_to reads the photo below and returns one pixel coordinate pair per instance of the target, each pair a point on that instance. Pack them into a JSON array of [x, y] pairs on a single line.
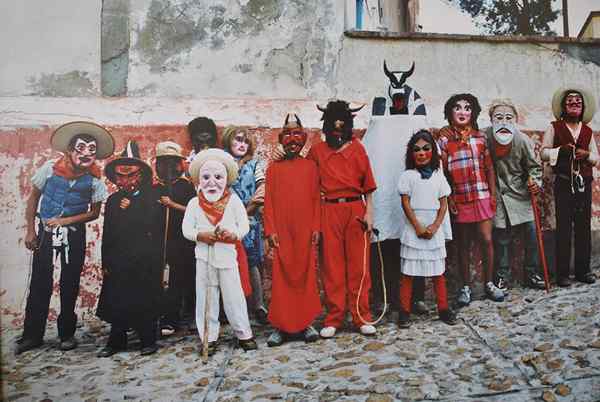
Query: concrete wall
[[160, 63]]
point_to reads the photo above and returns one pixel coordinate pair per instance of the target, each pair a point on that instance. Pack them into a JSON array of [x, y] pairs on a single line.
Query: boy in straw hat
[[216, 219], [176, 191], [132, 239], [570, 149], [71, 193]]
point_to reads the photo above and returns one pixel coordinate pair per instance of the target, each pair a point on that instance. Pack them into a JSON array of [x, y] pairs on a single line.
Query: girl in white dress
[[424, 192]]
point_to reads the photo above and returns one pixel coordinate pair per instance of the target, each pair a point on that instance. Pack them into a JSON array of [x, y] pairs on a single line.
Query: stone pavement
[[534, 346]]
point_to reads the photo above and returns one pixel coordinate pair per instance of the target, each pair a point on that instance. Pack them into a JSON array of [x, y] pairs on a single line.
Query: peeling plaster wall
[[50, 48]]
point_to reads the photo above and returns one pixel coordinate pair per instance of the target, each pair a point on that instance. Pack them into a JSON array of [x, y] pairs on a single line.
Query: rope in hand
[[364, 275]]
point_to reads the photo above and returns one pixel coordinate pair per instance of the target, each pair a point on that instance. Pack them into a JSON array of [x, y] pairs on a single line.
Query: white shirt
[[235, 220], [550, 154]]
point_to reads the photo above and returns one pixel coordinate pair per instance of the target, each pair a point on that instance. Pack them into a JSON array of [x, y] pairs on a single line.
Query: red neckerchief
[[214, 210], [64, 168]]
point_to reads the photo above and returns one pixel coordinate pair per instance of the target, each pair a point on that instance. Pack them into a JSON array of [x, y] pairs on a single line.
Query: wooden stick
[[206, 310], [540, 240]]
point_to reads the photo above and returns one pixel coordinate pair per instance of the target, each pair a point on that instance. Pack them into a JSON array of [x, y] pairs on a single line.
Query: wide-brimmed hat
[[589, 102], [169, 148], [129, 156], [214, 154], [105, 144]]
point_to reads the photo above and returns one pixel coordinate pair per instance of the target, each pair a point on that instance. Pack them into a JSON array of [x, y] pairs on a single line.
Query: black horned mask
[[338, 122], [400, 94]]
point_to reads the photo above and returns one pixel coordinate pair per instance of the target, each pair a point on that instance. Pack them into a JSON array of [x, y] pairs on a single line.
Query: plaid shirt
[[466, 165]]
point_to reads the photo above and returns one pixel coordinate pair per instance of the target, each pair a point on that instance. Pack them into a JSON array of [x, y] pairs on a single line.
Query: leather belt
[[343, 199]]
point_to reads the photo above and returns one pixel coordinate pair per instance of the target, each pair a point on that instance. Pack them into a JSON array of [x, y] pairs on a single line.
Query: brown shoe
[[563, 282], [247, 344]]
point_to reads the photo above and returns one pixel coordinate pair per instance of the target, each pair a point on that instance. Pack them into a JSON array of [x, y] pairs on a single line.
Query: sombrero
[[105, 144], [217, 155], [589, 103]]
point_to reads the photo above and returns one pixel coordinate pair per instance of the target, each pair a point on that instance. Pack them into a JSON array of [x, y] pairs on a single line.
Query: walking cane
[[540, 240], [206, 310]]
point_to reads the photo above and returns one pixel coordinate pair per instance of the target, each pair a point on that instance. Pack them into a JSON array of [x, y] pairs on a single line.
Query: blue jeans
[[502, 244]]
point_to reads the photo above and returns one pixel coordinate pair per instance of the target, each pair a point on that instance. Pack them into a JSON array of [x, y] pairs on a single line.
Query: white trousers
[[225, 281]]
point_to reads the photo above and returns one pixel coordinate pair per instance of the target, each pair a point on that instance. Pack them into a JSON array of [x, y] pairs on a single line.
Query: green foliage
[[511, 17]]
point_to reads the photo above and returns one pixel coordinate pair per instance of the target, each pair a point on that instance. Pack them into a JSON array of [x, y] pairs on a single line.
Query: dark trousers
[[179, 297], [390, 251], [118, 334], [573, 213], [40, 287], [503, 245]]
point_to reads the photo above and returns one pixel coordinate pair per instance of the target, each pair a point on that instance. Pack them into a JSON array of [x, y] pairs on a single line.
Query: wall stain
[[73, 83]]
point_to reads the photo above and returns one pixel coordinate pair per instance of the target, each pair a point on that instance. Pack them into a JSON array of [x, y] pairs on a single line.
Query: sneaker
[[167, 330], [420, 308], [588, 278], [328, 332], [310, 335], [276, 339], [464, 296], [502, 285], [448, 317], [493, 292], [368, 330], [68, 344], [403, 319], [247, 344], [536, 282]]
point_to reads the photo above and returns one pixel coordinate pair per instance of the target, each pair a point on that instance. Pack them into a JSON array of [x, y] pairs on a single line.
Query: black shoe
[[247, 344], [262, 315], [588, 278], [563, 282], [107, 351], [419, 307], [28, 344], [310, 335], [68, 344], [536, 282], [276, 339], [403, 319], [448, 317], [149, 350]]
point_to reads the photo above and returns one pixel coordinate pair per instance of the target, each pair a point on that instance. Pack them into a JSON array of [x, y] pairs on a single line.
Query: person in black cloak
[[132, 244]]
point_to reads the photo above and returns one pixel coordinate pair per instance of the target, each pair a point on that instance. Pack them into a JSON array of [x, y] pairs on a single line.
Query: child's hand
[[421, 231], [432, 229], [225, 236], [273, 240], [452, 206], [315, 238], [206, 237], [493, 203]]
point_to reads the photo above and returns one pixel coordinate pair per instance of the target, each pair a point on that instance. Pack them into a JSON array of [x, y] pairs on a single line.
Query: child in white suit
[[216, 219]]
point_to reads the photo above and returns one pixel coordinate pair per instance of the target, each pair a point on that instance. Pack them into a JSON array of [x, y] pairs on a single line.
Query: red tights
[[439, 283]]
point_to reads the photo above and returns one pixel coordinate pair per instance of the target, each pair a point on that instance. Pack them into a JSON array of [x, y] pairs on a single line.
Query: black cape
[[132, 252]]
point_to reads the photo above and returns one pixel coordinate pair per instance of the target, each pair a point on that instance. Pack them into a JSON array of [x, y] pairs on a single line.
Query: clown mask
[[461, 114], [422, 152], [128, 177], [574, 105], [83, 154], [240, 144], [212, 180], [292, 142], [503, 124]]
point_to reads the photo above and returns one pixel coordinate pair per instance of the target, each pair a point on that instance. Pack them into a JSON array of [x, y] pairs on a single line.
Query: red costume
[[345, 176], [292, 209]]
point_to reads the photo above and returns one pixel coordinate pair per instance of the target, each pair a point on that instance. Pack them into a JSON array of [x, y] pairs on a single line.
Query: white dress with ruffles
[[422, 257]]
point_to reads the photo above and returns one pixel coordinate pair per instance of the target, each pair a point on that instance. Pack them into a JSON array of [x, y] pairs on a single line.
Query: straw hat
[[589, 102], [169, 148], [105, 144], [214, 154]]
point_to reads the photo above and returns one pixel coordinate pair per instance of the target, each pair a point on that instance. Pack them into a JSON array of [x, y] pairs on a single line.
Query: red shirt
[[345, 173]]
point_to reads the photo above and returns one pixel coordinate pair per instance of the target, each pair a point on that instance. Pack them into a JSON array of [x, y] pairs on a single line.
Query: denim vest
[[61, 199]]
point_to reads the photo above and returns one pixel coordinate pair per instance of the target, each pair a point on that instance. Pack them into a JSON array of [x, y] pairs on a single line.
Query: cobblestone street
[[534, 346]]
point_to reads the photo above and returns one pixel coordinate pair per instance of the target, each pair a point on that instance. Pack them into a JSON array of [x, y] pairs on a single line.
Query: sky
[[438, 16]]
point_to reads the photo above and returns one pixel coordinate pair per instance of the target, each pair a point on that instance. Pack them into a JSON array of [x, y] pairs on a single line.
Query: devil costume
[[132, 246], [345, 179]]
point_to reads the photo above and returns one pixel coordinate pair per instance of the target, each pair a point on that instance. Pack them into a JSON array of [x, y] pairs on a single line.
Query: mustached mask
[[503, 124], [338, 122], [292, 136]]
